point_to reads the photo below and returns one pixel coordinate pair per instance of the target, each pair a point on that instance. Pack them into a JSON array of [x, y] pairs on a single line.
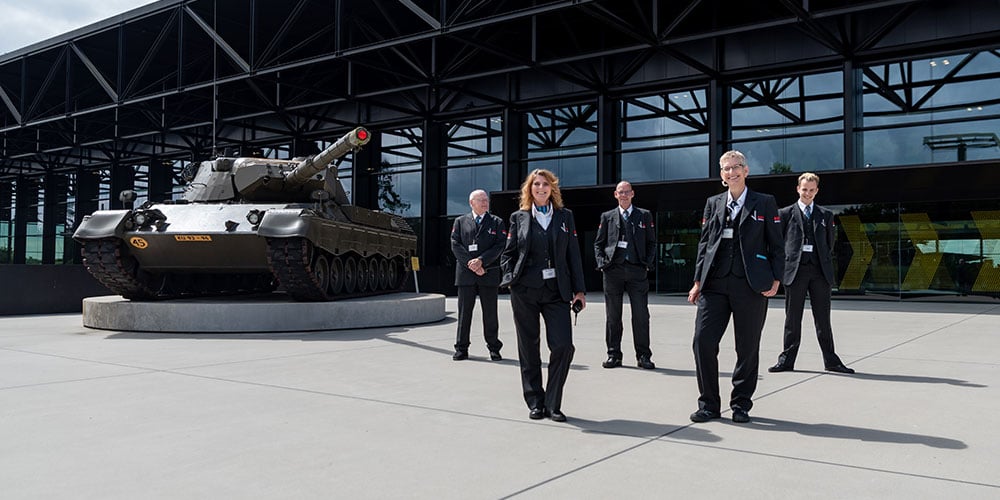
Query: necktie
[[809, 212], [732, 207], [543, 209], [479, 218], [625, 215]]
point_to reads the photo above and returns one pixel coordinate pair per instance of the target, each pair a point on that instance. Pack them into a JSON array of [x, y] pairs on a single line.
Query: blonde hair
[[555, 196], [809, 177]]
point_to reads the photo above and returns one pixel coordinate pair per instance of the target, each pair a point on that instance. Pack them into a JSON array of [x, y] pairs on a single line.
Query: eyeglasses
[[731, 168], [624, 192]]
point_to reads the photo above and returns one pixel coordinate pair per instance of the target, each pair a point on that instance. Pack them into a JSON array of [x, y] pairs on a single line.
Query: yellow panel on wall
[[988, 223], [924, 265], [862, 255]]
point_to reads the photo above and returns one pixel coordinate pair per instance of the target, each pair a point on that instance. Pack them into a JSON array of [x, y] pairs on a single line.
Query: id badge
[[727, 233], [473, 247], [548, 274], [807, 248], [623, 244]]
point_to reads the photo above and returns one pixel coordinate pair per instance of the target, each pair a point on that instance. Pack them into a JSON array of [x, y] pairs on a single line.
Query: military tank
[[249, 225]]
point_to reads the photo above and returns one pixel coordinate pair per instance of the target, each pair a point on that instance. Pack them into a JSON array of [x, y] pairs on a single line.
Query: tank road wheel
[[350, 275], [336, 275], [383, 274], [373, 274], [393, 273], [321, 273], [362, 275]]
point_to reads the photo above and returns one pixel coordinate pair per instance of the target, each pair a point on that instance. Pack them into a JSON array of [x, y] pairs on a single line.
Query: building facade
[[892, 102]]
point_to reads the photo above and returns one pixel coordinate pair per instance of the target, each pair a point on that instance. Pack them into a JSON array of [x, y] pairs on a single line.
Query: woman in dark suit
[[542, 266]]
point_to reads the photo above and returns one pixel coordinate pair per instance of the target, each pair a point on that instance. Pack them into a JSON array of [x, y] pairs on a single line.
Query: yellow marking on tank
[[192, 237], [138, 242]]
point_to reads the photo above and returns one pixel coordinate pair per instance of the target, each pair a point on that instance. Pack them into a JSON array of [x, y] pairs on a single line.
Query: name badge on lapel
[[727, 233], [473, 247], [548, 273], [807, 248], [623, 244]]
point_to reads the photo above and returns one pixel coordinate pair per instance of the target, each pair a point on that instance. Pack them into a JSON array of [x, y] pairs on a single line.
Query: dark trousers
[[528, 304], [488, 303], [721, 298], [618, 280], [809, 278]]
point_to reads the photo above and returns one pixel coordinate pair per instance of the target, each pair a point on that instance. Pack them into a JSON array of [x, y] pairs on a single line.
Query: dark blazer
[[793, 223], [565, 246], [609, 231], [490, 235], [760, 238]]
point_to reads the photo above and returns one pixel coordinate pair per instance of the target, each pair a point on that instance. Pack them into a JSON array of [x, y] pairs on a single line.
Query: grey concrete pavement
[[386, 413]]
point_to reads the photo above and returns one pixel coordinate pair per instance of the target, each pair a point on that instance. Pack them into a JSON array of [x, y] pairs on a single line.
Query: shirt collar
[[803, 206], [538, 215], [740, 201]]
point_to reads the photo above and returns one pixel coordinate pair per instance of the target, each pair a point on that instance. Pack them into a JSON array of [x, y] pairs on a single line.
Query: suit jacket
[[490, 236], [763, 249], [609, 232], [565, 248], [793, 223]]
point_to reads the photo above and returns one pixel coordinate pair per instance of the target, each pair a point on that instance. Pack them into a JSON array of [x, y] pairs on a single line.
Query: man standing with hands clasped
[[477, 239], [809, 236], [625, 249], [741, 259]]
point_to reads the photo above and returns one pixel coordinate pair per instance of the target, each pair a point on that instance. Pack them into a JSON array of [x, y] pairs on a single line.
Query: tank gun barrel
[[312, 166]]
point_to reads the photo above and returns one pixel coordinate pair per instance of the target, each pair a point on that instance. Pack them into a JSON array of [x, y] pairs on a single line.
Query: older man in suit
[[477, 239], [625, 249], [809, 233], [741, 258]]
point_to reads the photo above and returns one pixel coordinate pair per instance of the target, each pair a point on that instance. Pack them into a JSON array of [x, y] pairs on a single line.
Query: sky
[[24, 22]]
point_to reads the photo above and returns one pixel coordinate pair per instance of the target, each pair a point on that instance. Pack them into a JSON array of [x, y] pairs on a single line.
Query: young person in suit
[[544, 269], [741, 258], [625, 250], [809, 233], [477, 238]]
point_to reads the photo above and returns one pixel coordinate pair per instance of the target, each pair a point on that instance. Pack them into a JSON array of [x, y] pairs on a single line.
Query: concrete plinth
[[271, 313]]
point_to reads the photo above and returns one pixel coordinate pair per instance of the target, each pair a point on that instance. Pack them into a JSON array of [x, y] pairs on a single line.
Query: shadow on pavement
[[858, 433]]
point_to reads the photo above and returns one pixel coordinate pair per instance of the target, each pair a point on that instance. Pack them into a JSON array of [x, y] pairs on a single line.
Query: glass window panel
[[572, 171], [462, 181], [399, 193], [905, 145], [665, 164], [794, 154]]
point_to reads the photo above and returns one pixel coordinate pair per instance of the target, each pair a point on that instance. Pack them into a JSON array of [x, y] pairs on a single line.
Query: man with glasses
[[809, 236], [741, 259], [625, 250]]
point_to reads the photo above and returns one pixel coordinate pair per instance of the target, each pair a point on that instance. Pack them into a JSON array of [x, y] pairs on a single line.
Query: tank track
[[290, 260], [120, 273]]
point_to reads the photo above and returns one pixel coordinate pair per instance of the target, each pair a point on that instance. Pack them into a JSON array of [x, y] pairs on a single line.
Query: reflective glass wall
[[911, 250]]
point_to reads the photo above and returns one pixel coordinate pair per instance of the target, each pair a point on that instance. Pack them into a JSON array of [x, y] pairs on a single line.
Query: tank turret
[[247, 225]]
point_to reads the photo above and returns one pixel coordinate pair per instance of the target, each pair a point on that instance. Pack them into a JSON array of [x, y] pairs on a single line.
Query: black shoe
[[840, 369], [780, 367], [460, 355], [645, 363], [740, 416], [495, 356], [704, 415], [612, 362], [537, 413], [556, 416]]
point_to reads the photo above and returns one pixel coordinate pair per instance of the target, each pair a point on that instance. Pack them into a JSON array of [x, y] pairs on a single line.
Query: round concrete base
[[269, 313]]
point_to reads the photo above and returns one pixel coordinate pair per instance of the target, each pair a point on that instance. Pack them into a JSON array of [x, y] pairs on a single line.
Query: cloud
[[25, 22]]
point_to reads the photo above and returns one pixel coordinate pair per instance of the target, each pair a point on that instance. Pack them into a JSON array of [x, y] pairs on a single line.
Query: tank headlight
[[140, 218], [255, 216]]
